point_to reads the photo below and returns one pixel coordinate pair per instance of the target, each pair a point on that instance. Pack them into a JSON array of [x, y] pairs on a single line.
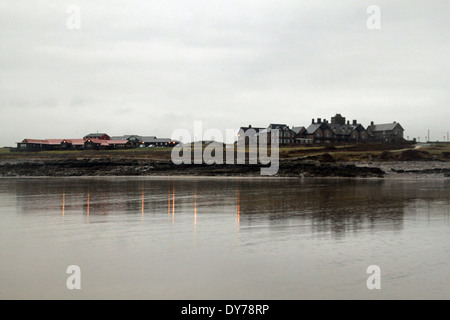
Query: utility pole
[[429, 139]]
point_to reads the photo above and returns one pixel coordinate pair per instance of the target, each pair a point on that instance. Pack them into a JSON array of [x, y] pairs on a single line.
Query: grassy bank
[[347, 153]]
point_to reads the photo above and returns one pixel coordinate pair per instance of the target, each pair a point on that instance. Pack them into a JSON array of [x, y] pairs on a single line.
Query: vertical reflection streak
[[238, 213], [88, 204], [142, 204], [173, 205], [63, 204], [195, 209], [168, 204]]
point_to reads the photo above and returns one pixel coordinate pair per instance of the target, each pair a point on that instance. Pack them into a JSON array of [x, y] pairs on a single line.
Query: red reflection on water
[[238, 213], [173, 205]]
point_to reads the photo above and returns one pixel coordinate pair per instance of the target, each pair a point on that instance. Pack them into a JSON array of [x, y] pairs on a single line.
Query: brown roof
[[34, 141], [108, 142], [77, 142]]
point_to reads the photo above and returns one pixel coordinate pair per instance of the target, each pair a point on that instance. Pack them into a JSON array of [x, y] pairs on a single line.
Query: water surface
[[223, 238]]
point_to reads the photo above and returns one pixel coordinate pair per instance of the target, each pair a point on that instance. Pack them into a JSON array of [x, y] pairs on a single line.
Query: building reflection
[[142, 203], [63, 204], [316, 206], [238, 210], [335, 207], [88, 206], [173, 204], [195, 208]]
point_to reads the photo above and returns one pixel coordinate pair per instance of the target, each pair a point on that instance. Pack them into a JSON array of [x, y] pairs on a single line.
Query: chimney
[[348, 121], [313, 121], [371, 123], [249, 125], [354, 122], [319, 120]]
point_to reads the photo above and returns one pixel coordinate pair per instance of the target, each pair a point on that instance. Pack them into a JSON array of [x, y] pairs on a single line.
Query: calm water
[[223, 238]]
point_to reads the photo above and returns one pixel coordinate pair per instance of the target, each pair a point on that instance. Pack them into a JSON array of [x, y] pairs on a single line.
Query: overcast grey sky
[[149, 67]]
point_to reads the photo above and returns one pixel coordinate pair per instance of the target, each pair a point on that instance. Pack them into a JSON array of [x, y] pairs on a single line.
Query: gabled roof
[[314, 126], [124, 137], [107, 142], [384, 127], [76, 142], [154, 139], [34, 141], [277, 126], [53, 141], [298, 129], [50, 141], [248, 128], [143, 138], [96, 134], [255, 132], [344, 129]]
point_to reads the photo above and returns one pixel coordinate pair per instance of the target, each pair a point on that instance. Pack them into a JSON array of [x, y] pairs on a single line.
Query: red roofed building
[[101, 136], [97, 141]]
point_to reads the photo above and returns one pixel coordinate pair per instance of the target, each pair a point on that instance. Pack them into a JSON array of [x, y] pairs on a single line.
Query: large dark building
[[338, 131], [389, 132]]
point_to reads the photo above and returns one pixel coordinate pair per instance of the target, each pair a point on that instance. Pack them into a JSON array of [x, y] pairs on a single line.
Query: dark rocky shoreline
[[137, 167], [145, 167]]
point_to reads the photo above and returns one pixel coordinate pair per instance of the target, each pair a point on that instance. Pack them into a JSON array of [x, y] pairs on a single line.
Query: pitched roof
[[127, 137], [76, 142], [154, 139], [342, 129], [313, 128], [277, 126], [297, 129], [384, 127], [53, 141], [248, 128], [45, 141], [97, 134], [107, 142], [34, 141]]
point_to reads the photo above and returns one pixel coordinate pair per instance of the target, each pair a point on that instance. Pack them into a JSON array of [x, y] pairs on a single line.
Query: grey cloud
[[153, 66]]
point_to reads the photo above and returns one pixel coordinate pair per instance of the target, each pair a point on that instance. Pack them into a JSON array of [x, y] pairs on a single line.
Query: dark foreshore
[[364, 161], [144, 167], [136, 167]]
